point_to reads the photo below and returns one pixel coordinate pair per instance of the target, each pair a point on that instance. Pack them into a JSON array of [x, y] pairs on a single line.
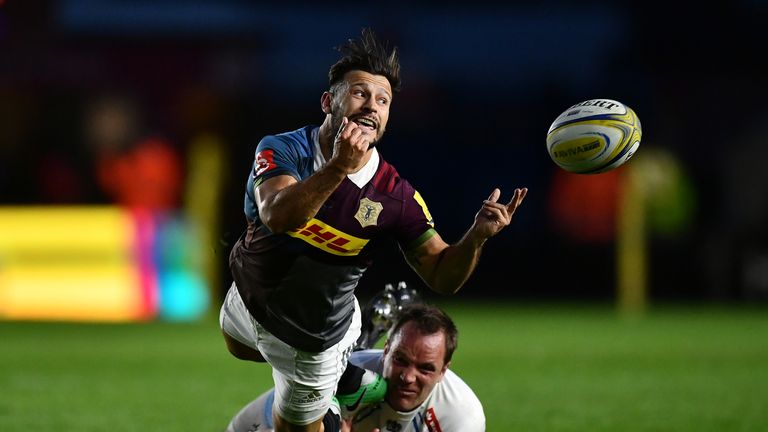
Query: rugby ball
[[594, 136]]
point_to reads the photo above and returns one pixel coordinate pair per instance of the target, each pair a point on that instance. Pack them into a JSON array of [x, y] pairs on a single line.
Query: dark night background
[[481, 84]]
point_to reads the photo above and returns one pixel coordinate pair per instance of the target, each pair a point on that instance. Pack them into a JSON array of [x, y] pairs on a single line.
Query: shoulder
[[453, 386], [298, 140], [456, 406]]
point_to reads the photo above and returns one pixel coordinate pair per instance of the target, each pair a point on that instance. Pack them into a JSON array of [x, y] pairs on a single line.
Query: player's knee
[[242, 351]]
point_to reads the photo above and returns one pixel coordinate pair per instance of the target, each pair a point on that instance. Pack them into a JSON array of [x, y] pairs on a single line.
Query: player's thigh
[[242, 351], [305, 382], [238, 326]]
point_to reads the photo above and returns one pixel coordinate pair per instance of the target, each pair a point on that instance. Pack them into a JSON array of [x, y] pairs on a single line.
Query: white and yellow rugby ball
[[594, 136]]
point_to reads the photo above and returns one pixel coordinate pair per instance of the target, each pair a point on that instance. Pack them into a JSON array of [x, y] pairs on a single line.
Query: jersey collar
[[359, 178]]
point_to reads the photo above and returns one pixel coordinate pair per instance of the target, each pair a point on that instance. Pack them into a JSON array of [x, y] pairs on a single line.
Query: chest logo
[[432, 424], [368, 212], [321, 235]]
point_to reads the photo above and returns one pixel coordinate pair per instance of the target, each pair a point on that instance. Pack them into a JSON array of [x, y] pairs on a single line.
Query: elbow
[[275, 229], [445, 287], [278, 225], [450, 289], [270, 223], [446, 290]]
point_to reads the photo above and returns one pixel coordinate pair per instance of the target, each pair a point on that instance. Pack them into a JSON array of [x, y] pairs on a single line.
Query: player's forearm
[[293, 206], [456, 263]]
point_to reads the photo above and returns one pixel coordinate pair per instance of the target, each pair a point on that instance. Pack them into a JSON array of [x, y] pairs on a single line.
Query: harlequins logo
[[368, 212]]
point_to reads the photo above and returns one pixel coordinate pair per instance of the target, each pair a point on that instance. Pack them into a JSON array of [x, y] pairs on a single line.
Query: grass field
[[536, 368]]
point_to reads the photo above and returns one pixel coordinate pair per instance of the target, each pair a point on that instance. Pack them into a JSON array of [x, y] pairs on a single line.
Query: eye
[[400, 361], [384, 101], [358, 93]]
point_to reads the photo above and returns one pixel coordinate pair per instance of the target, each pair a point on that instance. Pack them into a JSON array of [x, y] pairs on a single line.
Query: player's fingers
[[344, 122], [356, 136], [495, 211], [517, 198], [349, 130], [494, 195]]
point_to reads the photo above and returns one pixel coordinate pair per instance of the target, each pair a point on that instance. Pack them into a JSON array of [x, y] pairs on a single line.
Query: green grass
[[536, 368]]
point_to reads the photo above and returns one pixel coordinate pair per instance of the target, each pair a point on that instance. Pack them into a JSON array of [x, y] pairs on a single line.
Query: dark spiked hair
[[429, 320], [366, 54]]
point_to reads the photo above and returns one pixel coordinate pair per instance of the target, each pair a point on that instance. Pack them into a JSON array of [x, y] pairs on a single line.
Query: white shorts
[[305, 382]]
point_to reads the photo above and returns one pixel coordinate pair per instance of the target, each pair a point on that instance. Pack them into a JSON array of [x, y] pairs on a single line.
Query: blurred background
[[127, 130]]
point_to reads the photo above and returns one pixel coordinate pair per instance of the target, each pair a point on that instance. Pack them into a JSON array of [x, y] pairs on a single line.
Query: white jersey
[[451, 407]]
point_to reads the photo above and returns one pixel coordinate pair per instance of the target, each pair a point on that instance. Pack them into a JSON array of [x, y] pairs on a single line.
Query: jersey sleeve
[[465, 417], [416, 224], [274, 156], [455, 407]]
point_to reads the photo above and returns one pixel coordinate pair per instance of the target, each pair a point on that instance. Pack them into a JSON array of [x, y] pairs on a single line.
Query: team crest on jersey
[[368, 212]]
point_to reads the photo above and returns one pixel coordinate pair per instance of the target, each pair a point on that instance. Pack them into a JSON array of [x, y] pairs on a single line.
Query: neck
[[325, 136]]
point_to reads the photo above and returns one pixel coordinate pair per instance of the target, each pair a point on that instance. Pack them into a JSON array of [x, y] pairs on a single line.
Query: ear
[[386, 347], [325, 102]]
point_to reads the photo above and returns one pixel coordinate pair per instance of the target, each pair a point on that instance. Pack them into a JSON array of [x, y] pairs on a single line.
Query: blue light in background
[[183, 292], [183, 296]]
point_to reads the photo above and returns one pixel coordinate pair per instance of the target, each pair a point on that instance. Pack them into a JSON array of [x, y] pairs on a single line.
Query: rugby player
[[423, 395], [319, 202]]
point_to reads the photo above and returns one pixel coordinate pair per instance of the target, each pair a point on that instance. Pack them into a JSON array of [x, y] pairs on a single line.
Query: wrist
[[475, 237], [335, 168]]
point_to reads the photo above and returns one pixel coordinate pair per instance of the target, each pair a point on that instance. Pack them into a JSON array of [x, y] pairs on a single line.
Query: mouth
[[405, 393], [366, 122]]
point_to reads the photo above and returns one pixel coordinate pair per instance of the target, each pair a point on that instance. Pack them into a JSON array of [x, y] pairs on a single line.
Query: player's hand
[[494, 216], [346, 425], [349, 146]]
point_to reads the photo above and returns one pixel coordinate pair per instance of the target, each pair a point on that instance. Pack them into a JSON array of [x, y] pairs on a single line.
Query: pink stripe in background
[[144, 247]]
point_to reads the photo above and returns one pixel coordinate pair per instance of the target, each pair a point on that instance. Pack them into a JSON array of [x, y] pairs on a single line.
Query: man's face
[[413, 365], [363, 98]]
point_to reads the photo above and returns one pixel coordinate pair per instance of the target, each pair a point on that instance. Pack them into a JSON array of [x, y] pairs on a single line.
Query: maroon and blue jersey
[[300, 285]]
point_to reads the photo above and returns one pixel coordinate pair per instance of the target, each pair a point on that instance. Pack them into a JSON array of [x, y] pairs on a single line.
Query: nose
[[407, 376], [370, 104]]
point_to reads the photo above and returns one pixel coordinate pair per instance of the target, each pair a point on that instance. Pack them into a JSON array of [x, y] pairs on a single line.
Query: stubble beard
[[336, 125]]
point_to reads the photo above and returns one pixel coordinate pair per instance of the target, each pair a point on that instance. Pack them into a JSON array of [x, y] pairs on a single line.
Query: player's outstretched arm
[[445, 268]]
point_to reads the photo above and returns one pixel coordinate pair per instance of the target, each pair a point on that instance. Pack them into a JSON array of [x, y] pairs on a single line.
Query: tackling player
[[423, 395]]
